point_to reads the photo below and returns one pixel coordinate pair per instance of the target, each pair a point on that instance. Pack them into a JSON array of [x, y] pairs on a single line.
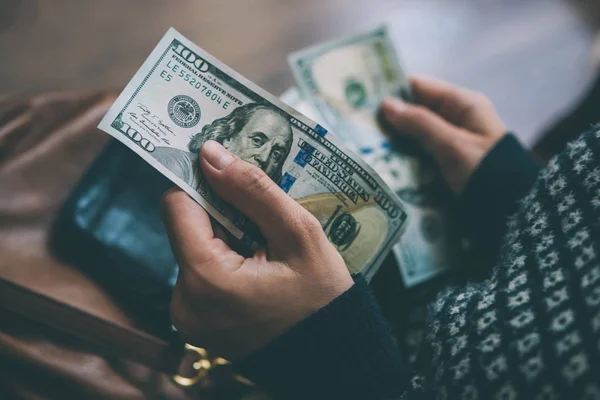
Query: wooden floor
[[532, 57]]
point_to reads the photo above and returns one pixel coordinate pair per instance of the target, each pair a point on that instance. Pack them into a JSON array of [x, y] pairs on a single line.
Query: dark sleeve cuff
[[343, 351], [505, 176]]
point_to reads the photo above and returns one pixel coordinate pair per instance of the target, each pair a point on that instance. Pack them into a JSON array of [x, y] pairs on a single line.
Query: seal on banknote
[[355, 92], [184, 111]]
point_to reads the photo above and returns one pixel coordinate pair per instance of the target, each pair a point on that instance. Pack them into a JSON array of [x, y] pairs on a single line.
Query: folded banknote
[[341, 83], [182, 97]]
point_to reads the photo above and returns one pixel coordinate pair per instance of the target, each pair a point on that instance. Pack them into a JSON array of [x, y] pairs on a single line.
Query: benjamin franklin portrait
[[257, 133]]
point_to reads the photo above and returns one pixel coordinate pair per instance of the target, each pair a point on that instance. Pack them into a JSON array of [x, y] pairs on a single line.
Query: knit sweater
[[529, 327]]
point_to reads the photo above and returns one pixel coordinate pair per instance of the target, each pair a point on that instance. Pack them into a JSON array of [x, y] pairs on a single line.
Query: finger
[[437, 95], [280, 218], [189, 229], [420, 123], [460, 106]]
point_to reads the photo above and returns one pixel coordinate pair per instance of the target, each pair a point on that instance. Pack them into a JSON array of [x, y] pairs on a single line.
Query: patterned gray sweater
[[532, 329], [528, 328]]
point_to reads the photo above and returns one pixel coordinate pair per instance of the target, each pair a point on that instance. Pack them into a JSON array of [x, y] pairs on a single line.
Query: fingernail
[[216, 155], [392, 106]]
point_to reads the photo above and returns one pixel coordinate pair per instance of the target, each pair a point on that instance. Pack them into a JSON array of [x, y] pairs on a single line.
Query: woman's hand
[[457, 126], [234, 305]]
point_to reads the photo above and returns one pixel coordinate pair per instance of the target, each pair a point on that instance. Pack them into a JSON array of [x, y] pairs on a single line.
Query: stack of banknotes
[[321, 142]]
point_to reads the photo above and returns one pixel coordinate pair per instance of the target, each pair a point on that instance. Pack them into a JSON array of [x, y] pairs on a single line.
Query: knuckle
[[480, 99], [456, 141], [453, 145], [255, 180], [210, 255], [416, 113], [306, 225], [420, 119]]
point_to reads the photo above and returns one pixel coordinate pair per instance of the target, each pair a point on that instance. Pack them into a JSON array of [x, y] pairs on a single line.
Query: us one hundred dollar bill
[[182, 97], [343, 82]]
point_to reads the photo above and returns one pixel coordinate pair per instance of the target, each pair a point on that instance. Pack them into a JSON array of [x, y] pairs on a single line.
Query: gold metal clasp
[[203, 366]]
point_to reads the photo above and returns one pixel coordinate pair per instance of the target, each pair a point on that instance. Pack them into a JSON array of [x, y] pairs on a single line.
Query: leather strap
[[47, 141], [101, 335]]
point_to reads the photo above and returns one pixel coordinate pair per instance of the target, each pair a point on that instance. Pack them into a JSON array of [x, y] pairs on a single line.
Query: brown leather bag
[[61, 335]]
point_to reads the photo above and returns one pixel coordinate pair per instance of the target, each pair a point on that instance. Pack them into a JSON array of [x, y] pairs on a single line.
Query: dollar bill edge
[[320, 49], [326, 46], [418, 278]]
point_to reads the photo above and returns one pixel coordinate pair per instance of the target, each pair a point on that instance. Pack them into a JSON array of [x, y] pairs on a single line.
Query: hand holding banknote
[[182, 97], [456, 125], [234, 305]]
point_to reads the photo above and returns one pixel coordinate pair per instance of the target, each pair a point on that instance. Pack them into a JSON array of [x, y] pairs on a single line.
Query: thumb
[[420, 123], [283, 222]]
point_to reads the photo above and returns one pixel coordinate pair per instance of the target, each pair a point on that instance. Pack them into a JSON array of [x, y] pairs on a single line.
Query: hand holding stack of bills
[[332, 156]]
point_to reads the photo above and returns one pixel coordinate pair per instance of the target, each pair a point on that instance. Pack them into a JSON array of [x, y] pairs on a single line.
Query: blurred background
[[534, 58]]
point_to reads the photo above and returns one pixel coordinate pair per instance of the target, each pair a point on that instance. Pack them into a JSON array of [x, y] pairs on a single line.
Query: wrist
[[344, 350], [504, 176]]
